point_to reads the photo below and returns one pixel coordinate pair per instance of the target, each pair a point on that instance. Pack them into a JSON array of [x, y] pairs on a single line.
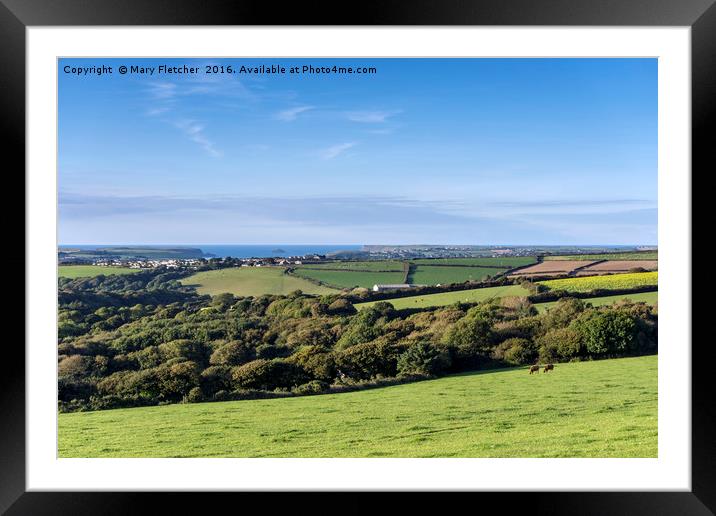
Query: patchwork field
[[85, 271], [349, 279], [605, 408], [613, 282], [555, 268], [618, 266], [649, 298], [448, 298], [433, 275], [251, 281], [634, 255], [507, 262]]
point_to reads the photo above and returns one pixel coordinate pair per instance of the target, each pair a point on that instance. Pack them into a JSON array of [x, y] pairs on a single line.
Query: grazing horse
[[534, 369], [548, 367]]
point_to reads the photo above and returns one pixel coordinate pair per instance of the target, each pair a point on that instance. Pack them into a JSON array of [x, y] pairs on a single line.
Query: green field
[[448, 298], [86, 271], [649, 298], [605, 408], [444, 275], [640, 255], [251, 281], [607, 282], [507, 261], [350, 279], [386, 265]]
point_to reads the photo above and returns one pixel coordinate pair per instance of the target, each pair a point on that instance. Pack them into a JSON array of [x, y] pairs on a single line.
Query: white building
[[397, 286]]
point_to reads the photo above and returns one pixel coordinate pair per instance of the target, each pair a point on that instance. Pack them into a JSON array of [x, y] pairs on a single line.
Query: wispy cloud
[[370, 117], [289, 115], [336, 150], [157, 111], [195, 132], [162, 90]]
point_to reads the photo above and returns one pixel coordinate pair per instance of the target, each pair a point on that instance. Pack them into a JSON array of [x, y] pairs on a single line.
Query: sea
[[240, 251]]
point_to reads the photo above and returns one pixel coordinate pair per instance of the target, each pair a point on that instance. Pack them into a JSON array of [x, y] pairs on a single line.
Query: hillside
[[251, 281], [604, 408]]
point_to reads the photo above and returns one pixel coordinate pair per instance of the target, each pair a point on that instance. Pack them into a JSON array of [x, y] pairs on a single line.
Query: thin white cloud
[[289, 115], [195, 132], [162, 90], [336, 150], [157, 111], [370, 117]]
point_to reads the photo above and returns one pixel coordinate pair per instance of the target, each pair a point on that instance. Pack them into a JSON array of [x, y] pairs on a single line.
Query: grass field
[[427, 275], [615, 281], [251, 281], [85, 271], [507, 262], [640, 255], [649, 298], [448, 298], [350, 279], [604, 408], [384, 265]]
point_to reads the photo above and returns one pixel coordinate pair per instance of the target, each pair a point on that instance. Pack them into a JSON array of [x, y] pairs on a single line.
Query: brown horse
[[548, 367], [534, 369]]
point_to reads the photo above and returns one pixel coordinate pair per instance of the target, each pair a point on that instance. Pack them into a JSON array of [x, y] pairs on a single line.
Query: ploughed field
[[86, 271], [618, 266], [633, 255], [251, 281], [604, 408]]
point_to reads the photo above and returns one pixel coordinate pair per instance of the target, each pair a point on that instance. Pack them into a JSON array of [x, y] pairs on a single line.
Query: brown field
[[552, 268], [616, 266]]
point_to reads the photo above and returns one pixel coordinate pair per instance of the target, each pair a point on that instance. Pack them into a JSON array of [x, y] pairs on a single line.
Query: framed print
[[423, 248]]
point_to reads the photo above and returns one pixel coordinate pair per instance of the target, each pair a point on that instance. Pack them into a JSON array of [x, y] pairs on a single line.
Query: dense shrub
[[561, 344], [267, 374], [516, 351], [606, 332], [367, 360], [232, 354], [194, 396], [423, 358], [312, 387]]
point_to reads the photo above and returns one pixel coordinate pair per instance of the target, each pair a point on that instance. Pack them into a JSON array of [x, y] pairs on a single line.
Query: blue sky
[[444, 151]]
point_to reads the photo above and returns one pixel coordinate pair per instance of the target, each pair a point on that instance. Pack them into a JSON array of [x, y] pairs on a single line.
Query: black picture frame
[[17, 15]]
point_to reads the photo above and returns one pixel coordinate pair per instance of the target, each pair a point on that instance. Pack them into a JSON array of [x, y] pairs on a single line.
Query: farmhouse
[[383, 288]]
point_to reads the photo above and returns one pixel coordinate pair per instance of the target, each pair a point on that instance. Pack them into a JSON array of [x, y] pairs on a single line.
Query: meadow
[[611, 282], [635, 255], [649, 298], [348, 278], [373, 266], [86, 271], [448, 298], [251, 281], [605, 408], [506, 262], [444, 275]]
